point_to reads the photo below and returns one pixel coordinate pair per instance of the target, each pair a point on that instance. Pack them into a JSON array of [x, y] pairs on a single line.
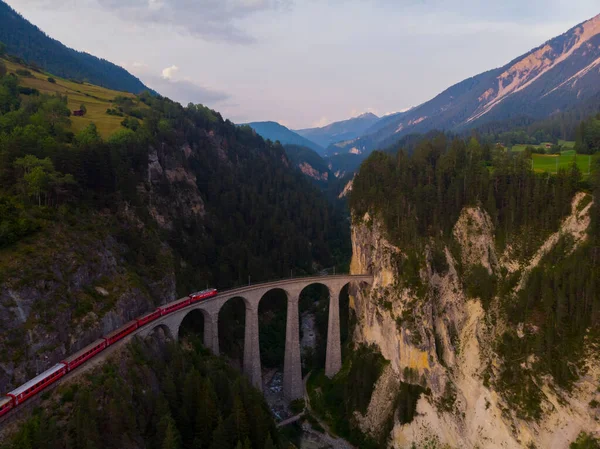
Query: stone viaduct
[[252, 295]]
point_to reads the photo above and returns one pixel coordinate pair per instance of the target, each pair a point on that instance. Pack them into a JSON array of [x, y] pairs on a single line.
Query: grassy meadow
[[96, 99], [552, 162]]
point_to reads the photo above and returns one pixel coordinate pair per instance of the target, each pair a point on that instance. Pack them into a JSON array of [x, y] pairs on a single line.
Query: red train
[[48, 377]]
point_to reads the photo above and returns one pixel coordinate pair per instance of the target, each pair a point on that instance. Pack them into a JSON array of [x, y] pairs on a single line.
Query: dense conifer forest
[[262, 218], [153, 395], [420, 197]]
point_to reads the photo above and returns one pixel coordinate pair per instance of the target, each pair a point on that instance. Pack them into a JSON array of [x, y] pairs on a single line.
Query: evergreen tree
[[269, 443], [171, 440]]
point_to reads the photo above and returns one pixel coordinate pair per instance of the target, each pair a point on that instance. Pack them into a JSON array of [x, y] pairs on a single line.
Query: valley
[[424, 279]]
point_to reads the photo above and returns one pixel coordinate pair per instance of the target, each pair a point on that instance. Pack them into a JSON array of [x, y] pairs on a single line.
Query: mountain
[[107, 109], [28, 42], [551, 78], [276, 132], [309, 162], [340, 131], [485, 299], [123, 223]]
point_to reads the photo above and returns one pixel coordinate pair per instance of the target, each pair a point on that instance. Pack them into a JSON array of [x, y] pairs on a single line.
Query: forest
[[520, 130], [422, 195], [262, 220], [587, 139], [155, 395], [419, 198]]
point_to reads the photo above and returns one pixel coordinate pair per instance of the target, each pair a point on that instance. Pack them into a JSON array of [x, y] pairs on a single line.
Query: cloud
[[215, 20], [169, 72], [184, 90]]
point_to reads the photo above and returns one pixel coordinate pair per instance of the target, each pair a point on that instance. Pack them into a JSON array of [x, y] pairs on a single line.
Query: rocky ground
[[273, 392]]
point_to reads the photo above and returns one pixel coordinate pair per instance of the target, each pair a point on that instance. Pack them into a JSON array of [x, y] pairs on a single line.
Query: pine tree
[[220, 438], [269, 443], [239, 416], [171, 440]]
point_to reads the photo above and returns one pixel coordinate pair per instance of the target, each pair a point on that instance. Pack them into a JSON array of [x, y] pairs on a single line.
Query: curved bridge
[[252, 295]]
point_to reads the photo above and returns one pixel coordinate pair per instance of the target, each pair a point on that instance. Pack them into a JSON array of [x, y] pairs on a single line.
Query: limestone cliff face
[[442, 339], [81, 279]]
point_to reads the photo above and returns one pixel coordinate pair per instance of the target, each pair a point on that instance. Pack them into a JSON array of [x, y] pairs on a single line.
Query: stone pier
[[292, 381], [293, 388], [333, 360], [211, 332], [252, 367]]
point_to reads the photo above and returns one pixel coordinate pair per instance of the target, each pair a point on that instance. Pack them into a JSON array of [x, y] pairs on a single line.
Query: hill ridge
[[28, 42], [552, 77]]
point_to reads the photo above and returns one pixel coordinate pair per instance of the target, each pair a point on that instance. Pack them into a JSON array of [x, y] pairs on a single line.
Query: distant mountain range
[[554, 77], [561, 75], [28, 42], [276, 132], [340, 131]]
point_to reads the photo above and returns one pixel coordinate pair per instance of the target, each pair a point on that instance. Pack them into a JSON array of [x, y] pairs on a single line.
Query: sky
[[305, 63]]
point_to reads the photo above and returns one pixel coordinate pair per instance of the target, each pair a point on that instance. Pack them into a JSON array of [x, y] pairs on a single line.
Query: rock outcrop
[[79, 280], [444, 340]]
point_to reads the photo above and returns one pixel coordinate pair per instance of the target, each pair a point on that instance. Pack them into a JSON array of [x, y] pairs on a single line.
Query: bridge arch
[[272, 322], [313, 311], [193, 321], [160, 327], [245, 298], [251, 297], [272, 309], [231, 338]]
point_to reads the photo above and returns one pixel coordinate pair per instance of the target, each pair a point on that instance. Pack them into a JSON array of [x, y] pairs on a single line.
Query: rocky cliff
[[85, 276], [207, 203], [436, 333]]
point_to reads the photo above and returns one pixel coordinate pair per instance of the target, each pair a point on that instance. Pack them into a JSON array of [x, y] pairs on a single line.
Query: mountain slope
[[484, 293], [340, 131], [118, 226], [106, 109], [553, 77], [276, 132], [308, 162], [28, 42]]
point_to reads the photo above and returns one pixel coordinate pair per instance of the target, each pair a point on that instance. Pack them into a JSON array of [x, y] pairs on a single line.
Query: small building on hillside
[[79, 113]]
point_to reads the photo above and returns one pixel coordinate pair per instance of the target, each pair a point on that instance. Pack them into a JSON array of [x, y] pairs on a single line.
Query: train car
[[204, 294], [148, 318], [165, 310], [37, 384], [85, 354], [6, 405], [120, 333]]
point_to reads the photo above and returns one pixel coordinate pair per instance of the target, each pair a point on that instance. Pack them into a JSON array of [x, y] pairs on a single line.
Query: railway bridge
[[252, 295]]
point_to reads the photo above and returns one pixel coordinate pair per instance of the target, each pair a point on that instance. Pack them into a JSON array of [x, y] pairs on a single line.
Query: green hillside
[[97, 100], [144, 214]]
